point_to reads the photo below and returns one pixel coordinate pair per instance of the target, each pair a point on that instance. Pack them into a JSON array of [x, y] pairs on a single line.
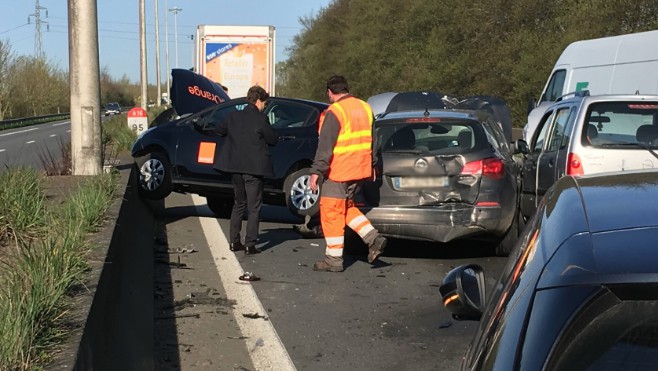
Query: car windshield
[[621, 123], [113, 106], [432, 138]]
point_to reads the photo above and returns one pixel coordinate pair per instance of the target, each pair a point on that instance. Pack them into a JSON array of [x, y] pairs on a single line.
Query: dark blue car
[[580, 290], [178, 155]]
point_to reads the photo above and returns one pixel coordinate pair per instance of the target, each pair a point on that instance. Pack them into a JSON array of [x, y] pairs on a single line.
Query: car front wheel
[[300, 199], [154, 176]]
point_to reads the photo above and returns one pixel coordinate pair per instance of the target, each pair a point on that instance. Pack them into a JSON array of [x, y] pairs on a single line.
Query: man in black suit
[[246, 156]]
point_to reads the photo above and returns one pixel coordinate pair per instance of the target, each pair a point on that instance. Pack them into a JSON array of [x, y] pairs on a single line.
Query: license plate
[[420, 182]]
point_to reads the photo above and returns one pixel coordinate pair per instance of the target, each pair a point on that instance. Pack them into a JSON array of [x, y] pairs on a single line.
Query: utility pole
[[176, 10], [38, 50], [157, 56], [167, 52], [142, 54], [84, 75]]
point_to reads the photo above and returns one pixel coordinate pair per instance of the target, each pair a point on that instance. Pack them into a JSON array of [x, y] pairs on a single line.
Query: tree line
[[504, 48], [31, 86]]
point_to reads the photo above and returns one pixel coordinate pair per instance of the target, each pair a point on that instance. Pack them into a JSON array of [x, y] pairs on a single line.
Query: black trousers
[[248, 191]]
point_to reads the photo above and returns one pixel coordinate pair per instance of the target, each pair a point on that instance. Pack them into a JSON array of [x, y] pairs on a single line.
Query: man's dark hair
[[338, 84], [255, 93]]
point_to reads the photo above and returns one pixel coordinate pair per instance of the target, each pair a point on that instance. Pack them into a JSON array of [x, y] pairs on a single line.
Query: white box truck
[[236, 57], [623, 64]]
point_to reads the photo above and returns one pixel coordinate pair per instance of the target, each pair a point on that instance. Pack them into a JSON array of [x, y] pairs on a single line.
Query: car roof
[[606, 97], [600, 229]]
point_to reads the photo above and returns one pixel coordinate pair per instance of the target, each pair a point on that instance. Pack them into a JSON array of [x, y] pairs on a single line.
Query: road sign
[[137, 120]]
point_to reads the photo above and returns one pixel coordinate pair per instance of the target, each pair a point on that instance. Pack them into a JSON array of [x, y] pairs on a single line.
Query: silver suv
[[582, 135]]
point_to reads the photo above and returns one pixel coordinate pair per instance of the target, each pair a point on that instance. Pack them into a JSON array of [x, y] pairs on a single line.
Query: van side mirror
[[532, 103], [463, 292]]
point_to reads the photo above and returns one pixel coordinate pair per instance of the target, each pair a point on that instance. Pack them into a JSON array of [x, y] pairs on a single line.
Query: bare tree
[[5, 62]]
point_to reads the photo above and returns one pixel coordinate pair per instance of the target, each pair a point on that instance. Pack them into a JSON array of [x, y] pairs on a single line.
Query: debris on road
[[445, 324], [187, 249], [254, 316], [248, 276]]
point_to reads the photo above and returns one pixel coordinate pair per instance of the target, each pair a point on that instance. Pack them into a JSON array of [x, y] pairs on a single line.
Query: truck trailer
[[237, 57]]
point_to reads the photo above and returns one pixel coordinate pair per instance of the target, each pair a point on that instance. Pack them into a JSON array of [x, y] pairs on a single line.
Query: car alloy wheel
[[301, 200], [152, 174]]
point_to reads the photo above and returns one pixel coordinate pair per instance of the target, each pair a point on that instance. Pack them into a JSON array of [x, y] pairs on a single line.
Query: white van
[[623, 64]]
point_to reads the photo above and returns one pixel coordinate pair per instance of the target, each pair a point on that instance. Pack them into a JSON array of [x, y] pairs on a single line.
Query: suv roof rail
[[581, 93]]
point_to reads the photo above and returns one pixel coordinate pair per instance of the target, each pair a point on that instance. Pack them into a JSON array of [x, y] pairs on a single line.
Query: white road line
[[272, 355], [2, 150], [18, 132], [30, 142], [53, 135], [62, 123]]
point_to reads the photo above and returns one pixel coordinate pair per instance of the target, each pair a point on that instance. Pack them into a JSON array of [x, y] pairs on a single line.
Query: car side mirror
[[463, 292], [520, 146]]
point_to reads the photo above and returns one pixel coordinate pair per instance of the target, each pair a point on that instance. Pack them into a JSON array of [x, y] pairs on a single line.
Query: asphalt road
[[27, 145], [386, 317]]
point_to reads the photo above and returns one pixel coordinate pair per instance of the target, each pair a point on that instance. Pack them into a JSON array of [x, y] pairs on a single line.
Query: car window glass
[[434, 138], [497, 130], [544, 124], [569, 127], [555, 86], [610, 123], [557, 131], [288, 115], [609, 333], [212, 117]]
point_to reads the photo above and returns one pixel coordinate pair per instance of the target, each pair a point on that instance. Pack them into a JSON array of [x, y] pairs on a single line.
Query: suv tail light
[[492, 167], [574, 166]]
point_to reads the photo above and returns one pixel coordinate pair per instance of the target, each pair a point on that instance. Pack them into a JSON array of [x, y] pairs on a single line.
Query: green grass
[[21, 203], [116, 131], [37, 273]]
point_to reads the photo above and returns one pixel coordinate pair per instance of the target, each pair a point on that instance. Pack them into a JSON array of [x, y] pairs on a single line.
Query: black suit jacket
[[245, 150]]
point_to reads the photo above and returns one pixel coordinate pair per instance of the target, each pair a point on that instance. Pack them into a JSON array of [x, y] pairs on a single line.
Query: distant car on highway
[[582, 134], [112, 109], [580, 289]]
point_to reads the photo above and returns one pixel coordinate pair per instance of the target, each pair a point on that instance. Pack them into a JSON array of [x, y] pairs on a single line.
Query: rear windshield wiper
[[410, 151], [630, 144]]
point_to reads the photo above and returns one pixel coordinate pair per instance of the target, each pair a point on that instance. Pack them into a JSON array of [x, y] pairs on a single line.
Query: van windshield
[[621, 123]]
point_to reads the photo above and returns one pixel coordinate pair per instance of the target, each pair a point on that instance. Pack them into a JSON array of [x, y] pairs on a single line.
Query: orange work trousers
[[337, 210]]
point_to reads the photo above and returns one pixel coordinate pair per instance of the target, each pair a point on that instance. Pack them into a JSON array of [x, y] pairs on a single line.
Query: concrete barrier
[[113, 315]]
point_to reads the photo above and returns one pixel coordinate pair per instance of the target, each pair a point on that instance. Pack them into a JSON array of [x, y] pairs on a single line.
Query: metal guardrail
[[5, 124]]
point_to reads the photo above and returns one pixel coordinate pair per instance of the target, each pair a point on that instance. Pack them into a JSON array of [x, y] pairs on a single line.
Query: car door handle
[[287, 137]]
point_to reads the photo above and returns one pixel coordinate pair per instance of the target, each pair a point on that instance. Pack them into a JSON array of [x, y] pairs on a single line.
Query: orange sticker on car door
[[206, 153]]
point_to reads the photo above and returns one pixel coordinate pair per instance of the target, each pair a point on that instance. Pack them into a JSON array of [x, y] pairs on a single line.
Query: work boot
[[251, 250], [376, 248], [236, 246], [329, 264]]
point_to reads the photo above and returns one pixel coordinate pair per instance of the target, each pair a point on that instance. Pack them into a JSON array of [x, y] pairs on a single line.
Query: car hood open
[[191, 92]]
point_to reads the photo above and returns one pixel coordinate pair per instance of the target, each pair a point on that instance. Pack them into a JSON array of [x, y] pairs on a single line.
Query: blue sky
[[118, 28]]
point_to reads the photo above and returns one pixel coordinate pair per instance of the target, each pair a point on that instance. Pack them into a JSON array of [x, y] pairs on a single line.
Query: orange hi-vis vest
[[352, 155]]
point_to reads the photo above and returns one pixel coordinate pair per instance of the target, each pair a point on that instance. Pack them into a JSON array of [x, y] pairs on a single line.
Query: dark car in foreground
[[444, 173], [178, 156], [580, 290]]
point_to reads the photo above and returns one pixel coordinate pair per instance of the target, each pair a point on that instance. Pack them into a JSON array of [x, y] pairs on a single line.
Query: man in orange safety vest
[[344, 159]]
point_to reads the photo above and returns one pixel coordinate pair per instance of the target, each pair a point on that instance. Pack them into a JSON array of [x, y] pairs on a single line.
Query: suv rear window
[[621, 123], [433, 138]]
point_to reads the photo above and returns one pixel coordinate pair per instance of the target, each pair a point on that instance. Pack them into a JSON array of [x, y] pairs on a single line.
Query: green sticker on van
[[582, 85]]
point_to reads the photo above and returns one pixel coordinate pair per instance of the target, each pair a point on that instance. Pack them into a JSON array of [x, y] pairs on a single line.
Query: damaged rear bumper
[[436, 223]]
